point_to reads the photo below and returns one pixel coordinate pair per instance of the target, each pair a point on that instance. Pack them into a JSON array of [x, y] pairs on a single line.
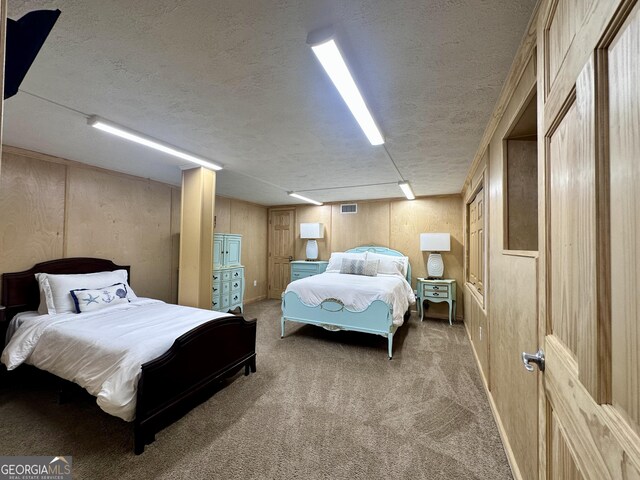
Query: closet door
[[218, 251], [232, 250], [590, 292]]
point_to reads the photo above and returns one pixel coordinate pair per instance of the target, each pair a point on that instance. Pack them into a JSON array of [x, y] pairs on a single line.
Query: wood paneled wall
[[396, 224], [52, 208], [251, 221]]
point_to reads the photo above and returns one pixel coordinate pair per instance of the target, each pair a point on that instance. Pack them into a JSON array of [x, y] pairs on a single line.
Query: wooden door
[[281, 249], [590, 287]]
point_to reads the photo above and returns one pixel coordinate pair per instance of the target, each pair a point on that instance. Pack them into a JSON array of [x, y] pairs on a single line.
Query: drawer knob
[[436, 288], [436, 293]]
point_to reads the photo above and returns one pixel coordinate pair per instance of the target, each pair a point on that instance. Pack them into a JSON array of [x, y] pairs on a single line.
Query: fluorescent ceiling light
[[132, 135], [329, 56], [300, 197], [406, 189]]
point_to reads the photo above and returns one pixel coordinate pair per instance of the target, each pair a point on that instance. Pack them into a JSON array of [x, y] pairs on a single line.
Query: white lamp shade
[[311, 230], [435, 242]]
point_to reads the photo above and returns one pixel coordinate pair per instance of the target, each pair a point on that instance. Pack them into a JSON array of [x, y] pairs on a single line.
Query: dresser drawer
[[226, 288], [236, 285], [215, 303], [305, 267], [216, 289], [436, 288], [234, 298], [237, 273], [226, 275], [224, 302], [440, 294], [217, 277]]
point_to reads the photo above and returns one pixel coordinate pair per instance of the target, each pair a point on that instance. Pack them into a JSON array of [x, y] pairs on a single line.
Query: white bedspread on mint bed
[[356, 292]]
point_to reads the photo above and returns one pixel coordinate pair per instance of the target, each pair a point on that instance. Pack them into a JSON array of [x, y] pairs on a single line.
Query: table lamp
[[435, 243], [311, 232]]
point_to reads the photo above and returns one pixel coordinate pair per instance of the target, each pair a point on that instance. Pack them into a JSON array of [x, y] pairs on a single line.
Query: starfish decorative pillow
[[90, 300]]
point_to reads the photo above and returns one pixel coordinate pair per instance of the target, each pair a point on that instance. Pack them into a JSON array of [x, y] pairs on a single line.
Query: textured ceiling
[[234, 81]]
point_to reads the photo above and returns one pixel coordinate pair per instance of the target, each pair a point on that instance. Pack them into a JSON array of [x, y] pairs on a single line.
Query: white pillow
[[42, 308], [89, 300], [335, 262], [390, 265], [57, 288]]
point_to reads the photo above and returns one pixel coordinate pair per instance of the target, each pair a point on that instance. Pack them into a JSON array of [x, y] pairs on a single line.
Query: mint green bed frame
[[332, 314]]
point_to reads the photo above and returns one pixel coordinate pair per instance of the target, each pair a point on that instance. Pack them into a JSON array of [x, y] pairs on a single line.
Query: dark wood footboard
[[174, 383]]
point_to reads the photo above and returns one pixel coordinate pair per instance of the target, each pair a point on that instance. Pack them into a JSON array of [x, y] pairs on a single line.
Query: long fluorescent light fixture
[[406, 189], [326, 49], [300, 197], [132, 135]]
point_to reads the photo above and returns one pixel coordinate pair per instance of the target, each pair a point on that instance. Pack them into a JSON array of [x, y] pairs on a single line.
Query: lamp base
[[435, 266], [312, 250]]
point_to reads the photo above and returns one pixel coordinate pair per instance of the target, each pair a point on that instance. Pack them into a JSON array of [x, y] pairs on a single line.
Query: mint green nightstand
[[302, 268], [437, 291]]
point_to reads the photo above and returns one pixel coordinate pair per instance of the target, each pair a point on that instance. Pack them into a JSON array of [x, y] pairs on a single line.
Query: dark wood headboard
[[20, 291]]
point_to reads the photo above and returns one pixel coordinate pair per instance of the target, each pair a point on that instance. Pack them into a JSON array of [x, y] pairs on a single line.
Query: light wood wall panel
[[127, 220], [511, 303], [32, 195], [58, 208], [251, 221], [437, 214], [314, 214], [370, 226], [624, 138], [223, 215], [475, 319], [176, 198]]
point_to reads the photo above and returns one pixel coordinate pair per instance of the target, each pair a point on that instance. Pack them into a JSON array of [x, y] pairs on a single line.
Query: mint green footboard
[[333, 315]]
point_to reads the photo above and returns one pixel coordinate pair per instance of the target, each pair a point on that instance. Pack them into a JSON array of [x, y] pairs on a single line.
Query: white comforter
[[357, 292], [103, 351]]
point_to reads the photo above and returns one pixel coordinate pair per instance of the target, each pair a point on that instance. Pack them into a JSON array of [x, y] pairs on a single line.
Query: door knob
[[537, 358], [291, 259]]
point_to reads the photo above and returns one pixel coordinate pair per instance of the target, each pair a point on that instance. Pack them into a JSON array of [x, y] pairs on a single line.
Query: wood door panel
[[590, 434], [562, 464], [281, 249], [624, 141], [565, 22], [573, 282]]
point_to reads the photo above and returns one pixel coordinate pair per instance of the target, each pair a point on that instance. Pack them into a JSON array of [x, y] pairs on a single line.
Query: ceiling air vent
[[349, 208]]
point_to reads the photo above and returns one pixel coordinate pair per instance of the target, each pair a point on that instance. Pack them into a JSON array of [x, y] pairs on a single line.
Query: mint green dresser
[[228, 272], [302, 268]]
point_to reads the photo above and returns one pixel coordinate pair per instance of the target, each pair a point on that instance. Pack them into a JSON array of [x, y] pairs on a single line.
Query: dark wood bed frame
[[173, 383]]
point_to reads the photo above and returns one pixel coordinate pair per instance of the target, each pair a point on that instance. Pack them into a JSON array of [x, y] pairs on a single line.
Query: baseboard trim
[[438, 316], [496, 416], [249, 301]]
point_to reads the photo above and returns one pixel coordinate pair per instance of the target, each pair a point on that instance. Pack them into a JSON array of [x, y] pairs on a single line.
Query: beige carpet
[[322, 405]]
